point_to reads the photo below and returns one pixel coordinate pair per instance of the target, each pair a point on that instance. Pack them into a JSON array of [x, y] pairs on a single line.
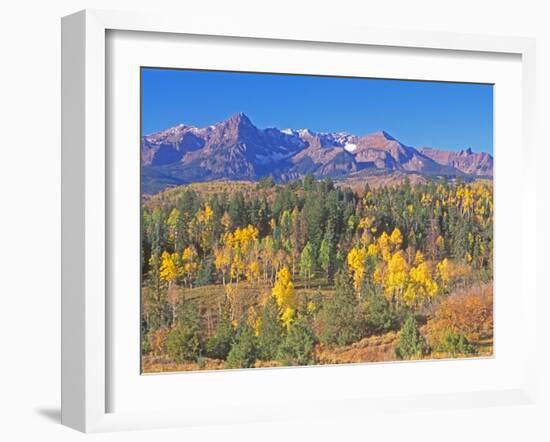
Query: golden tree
[[283, 292], [421, 285], [356, 264], [396, 276], [189, 264]]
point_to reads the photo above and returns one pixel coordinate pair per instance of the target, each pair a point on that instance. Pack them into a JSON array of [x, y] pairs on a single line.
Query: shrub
[[412, 344], [299, 344], [157, 341], [270, 331], [467, 312], [455, 343], [244, 352]]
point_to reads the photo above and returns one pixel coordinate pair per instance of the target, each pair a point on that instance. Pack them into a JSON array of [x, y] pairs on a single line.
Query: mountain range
[[235, 149]]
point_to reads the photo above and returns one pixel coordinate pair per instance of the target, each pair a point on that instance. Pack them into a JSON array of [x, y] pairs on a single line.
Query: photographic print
[[293, 220]]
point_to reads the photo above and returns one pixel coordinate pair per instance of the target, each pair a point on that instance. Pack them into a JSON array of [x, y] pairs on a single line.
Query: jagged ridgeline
[[242, 273], [235, 149]]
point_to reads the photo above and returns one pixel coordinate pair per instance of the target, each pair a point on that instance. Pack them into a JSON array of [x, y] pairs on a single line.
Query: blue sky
[[450, 116]]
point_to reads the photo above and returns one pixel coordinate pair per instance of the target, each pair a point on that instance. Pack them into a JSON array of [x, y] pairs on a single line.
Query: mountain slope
[[236, 149], [471, 163]]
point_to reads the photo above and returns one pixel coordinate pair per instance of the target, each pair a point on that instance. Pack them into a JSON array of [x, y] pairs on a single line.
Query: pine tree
[[339, 315], [220, 342], [244, 352], [412, 344], [299, 344], [270, 331], [184, 342]]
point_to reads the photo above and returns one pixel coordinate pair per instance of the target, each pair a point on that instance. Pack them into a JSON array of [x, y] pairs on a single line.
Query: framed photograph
[[252, 212]]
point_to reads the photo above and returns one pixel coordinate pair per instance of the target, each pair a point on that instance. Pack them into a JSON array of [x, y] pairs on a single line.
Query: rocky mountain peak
[[236, 149]]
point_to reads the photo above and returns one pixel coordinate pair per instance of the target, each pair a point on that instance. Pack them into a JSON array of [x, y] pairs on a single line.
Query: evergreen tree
[[244, 352], [309, 181], [184, 342], [270, 332], [237, 211], [299, 344], [379, 318], [412, 344], [327, 258], [220, 342], [339, 315], [206, 272]]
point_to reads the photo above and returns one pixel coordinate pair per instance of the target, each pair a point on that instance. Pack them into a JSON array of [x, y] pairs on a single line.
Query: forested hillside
[[254, 274]]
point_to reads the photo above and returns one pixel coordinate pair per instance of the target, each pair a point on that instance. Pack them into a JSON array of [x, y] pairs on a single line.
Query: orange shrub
[[157, 341], [469, 312]]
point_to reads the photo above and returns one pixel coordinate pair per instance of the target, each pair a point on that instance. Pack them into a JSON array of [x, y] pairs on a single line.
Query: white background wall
[[30, 219]]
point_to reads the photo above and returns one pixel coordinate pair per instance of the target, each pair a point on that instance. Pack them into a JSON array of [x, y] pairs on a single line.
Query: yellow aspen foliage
[[421, 285], [253, 319], [366, 226], [225, 221], [396, 238], [188, 259], [205, 215], [440, 243], [418, 258], [253, 271], [426, 199], [379, 274], [445, 271], [396, 274], [241, 239], [188, 254], [356, 264], [172, 223], [287, 316], [168, 267], [283, 292], [222, 260], [372, 250], [238, 267], [383, 243], [450, 271]]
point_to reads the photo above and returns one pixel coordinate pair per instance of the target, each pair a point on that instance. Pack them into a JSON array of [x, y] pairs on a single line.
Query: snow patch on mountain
[[350, 147]]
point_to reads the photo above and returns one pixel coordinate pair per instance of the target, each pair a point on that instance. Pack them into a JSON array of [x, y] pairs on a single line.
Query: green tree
[[309, 181], [327, 256], [237, 211], [270, 332], [298, 346], [266, 182], [206, 273], [220, 342], [307, 263], [379, 318], [244, 352], [338, 317], [184, 341], [412, 344]]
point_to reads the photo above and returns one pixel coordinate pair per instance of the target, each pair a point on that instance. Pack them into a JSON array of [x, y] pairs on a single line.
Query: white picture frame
[[86, 316]]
